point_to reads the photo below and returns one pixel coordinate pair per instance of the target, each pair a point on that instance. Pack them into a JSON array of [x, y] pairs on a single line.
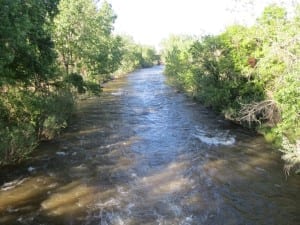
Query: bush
[[28, 117], [58, 109], [17, 142], [250, 74]]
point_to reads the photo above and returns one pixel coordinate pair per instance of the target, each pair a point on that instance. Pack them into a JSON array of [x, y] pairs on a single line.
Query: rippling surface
[[145, 154]]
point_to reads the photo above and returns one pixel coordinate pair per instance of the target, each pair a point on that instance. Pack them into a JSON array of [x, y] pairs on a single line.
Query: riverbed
[[143, 153]]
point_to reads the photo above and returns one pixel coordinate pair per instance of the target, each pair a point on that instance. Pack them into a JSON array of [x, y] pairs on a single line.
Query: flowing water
[[143, 153]]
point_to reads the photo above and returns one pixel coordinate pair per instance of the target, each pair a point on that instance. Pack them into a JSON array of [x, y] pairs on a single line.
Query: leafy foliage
[[29, 117], [250, 74], [27, 66], [84, 41], [26, 47], [135, 56], [51, 51]]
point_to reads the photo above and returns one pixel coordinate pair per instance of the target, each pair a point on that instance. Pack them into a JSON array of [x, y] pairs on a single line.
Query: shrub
[[28, 117]]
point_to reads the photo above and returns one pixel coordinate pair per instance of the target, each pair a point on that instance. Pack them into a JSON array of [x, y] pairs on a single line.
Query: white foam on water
[[61, 153], [30, 169], [129, 208], [110, 218], [215, 138], [177, 210], [122, 191], [111, 202], [187, 220], [119, 92], [10, 185], [160, 220]]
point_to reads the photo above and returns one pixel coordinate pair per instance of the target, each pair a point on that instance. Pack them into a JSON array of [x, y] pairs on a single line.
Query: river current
[[144, 154]]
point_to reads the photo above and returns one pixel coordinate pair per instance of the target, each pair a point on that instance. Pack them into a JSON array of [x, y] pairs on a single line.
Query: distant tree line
[[249, 74], [50, 52]]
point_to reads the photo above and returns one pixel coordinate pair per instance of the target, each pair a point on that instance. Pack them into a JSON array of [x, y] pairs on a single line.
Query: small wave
[[215, 138], [10, 185], [119, 92], [109, 203]]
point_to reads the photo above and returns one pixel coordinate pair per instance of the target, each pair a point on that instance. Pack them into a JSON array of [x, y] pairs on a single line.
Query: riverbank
[[248, 74], [144, 153]]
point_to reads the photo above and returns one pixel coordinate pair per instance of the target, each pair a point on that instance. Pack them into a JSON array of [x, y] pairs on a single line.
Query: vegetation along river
[[143, 153]]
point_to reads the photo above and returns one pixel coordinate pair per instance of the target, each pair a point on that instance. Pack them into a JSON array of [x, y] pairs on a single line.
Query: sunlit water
[[145, 154]]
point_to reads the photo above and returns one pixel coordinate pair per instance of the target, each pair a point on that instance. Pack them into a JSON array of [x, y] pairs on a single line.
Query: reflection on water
[[145, 154]]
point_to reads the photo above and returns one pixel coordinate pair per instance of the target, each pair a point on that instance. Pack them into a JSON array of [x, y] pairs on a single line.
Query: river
[[145, 154]]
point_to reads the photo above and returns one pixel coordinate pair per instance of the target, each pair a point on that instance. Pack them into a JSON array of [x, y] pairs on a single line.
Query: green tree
[[148, 56], [177, 58], [130, 55], [73, 34], [135, 56], [26, 47], [84, 40]]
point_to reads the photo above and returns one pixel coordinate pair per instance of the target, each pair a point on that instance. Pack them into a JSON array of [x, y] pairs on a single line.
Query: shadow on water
[[144, 154]]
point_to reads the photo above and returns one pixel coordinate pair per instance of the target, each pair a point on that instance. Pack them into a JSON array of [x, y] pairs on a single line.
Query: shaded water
[[145, 154]]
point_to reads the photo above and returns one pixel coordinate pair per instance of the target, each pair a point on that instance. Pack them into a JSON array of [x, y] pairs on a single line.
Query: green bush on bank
[[28, 117], [249, 74]]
